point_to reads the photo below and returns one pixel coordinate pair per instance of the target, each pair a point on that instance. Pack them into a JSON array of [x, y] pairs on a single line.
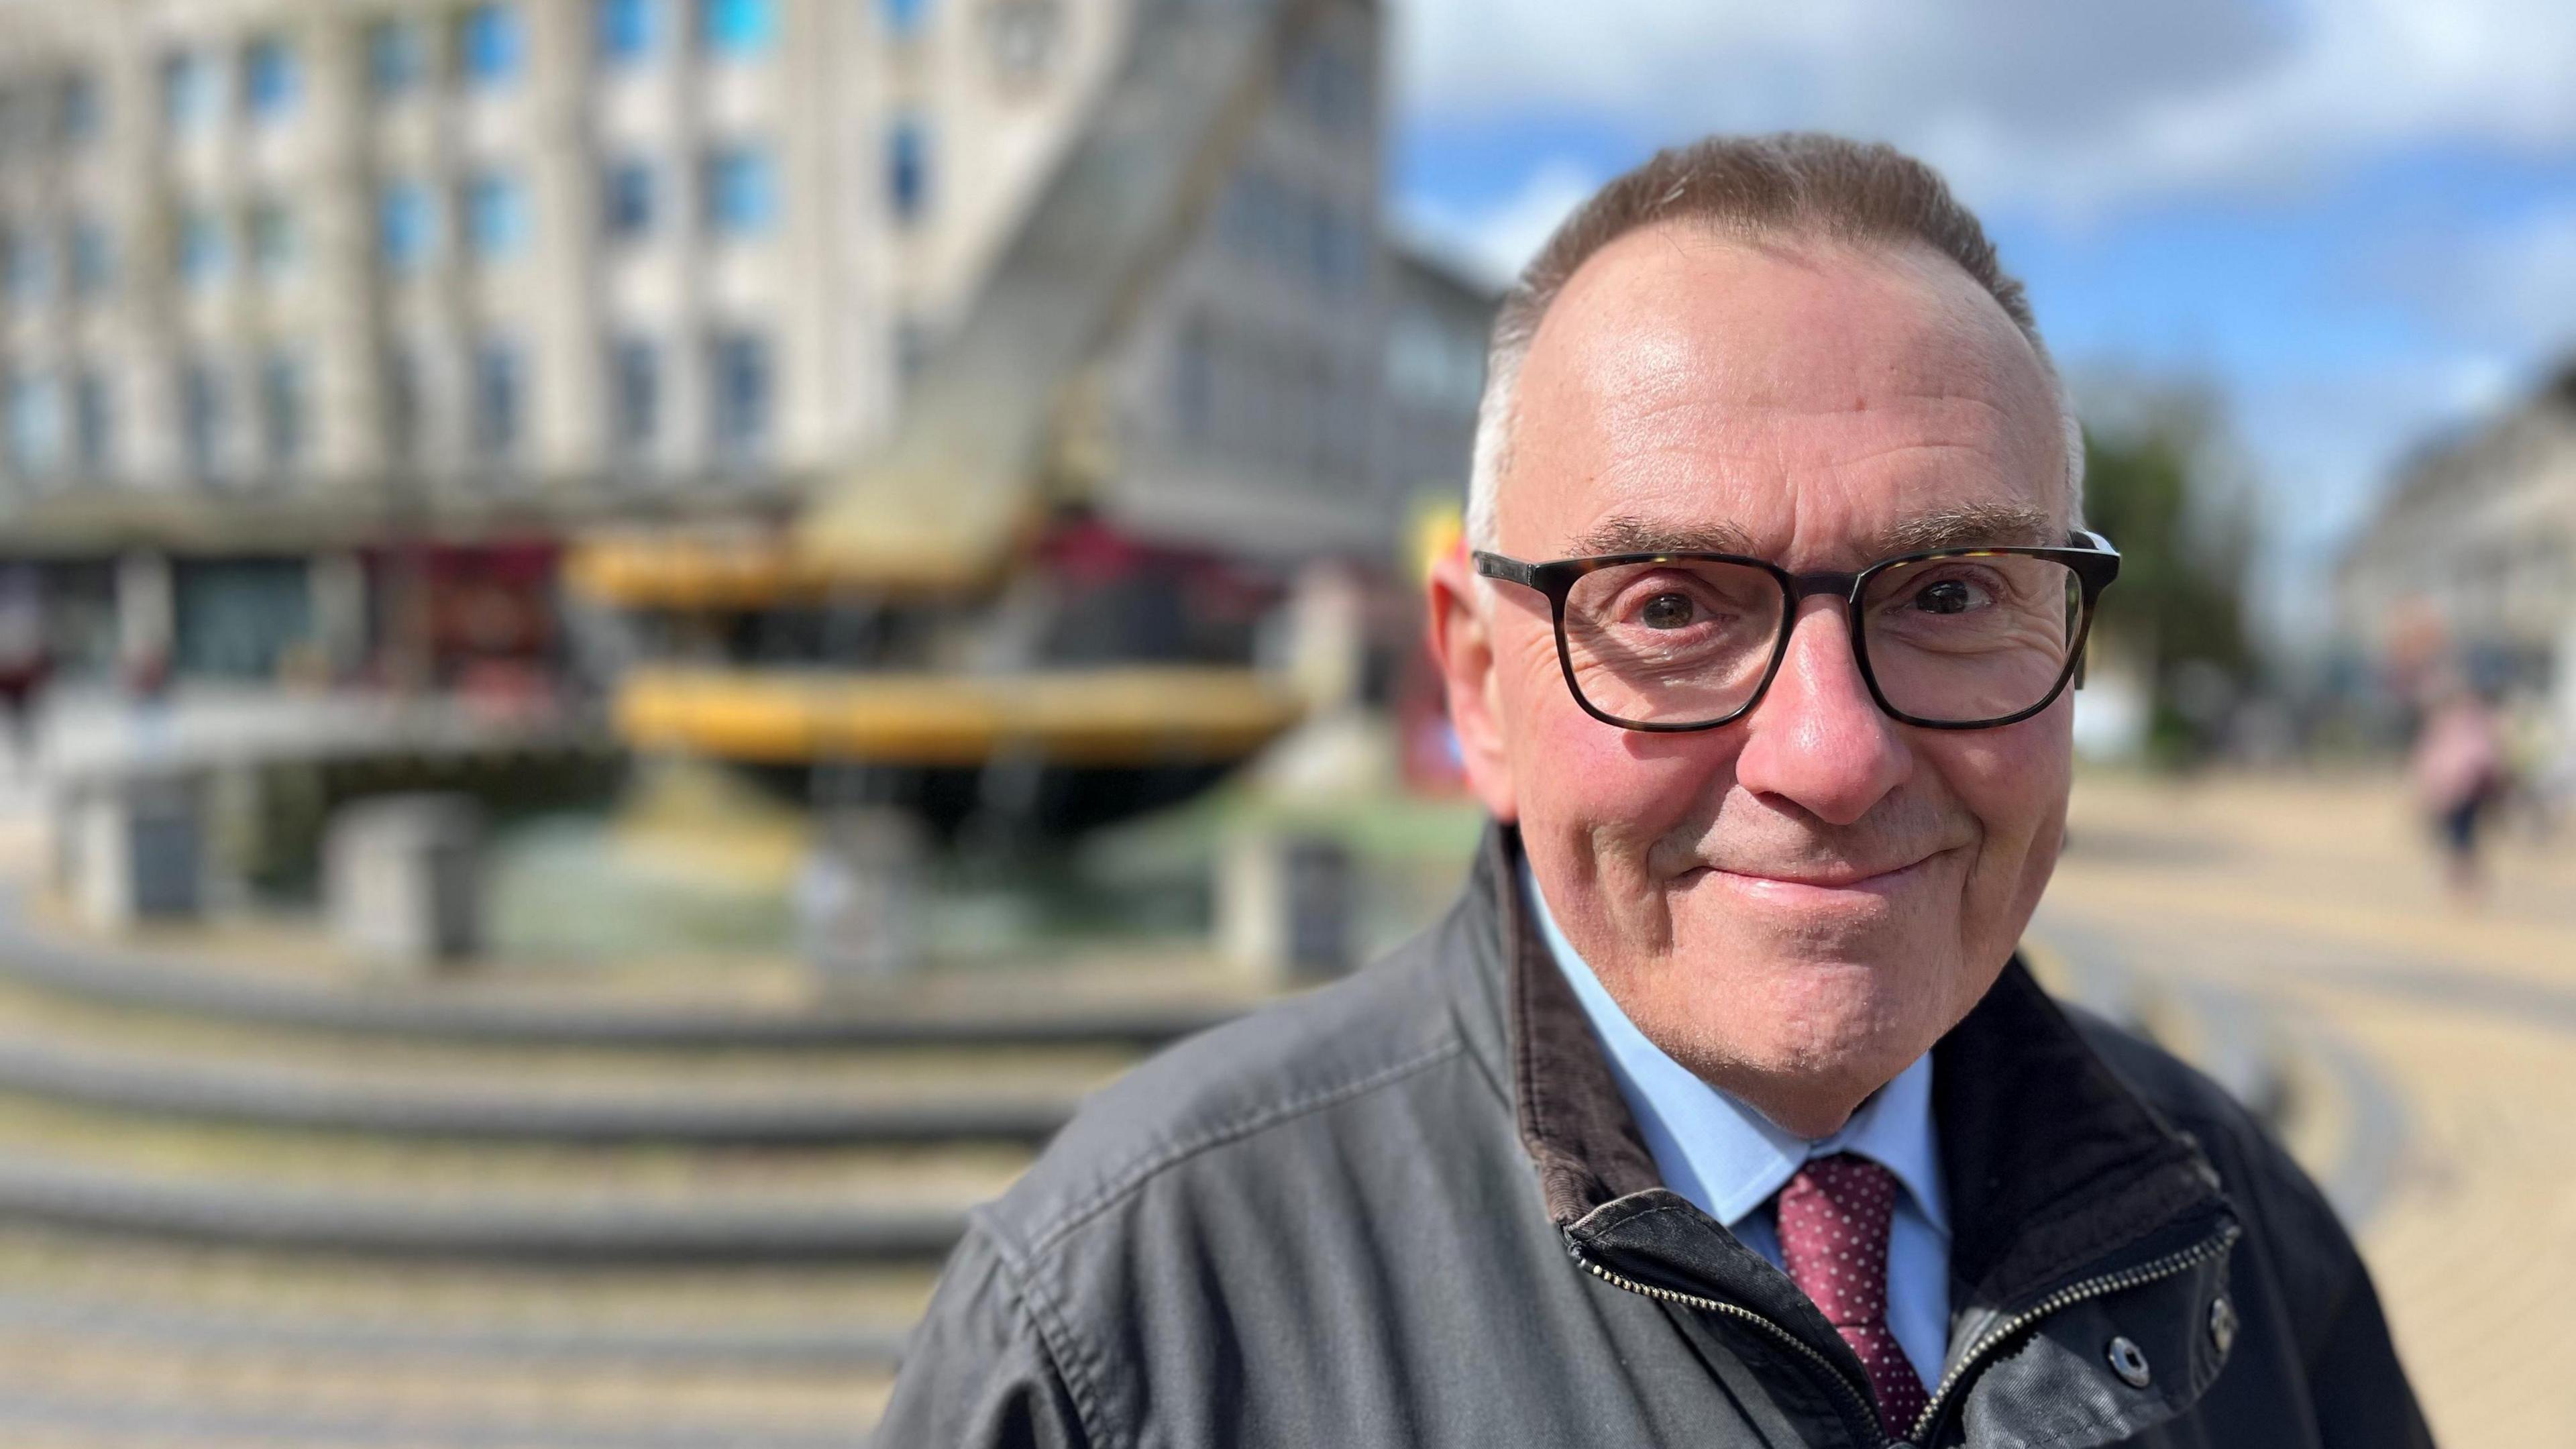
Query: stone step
[[627, 1202], [1033, 1006], [110, 1341], [113, 1057]]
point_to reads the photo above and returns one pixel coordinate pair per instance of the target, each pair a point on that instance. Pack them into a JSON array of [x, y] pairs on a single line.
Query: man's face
[[1798, 904]]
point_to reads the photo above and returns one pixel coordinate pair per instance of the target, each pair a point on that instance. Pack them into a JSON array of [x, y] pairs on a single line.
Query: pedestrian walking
[[2460, 777]]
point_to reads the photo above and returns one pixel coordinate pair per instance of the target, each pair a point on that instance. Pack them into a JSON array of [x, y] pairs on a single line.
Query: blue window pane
[[26, 266], [498, 399], [737, 27], [741, 408], [635, 370], [35, 425], [202, 253], [93, 259], [397, 56], [271, 78], [496, 216], [79, 114], [274, 243], [281, 408], [626, 29], [90, 422], [908, 169], [406, 225], [627, 200], [741, 190], [492, 45], [191, 90], [904, 17]]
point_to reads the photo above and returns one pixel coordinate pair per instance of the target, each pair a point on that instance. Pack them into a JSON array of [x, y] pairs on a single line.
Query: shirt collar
[[1724, 1157]]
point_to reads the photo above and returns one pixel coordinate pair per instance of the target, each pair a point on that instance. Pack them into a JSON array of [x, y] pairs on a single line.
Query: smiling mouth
[[1829, 881]]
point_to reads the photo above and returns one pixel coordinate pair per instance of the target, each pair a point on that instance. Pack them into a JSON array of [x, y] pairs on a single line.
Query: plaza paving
[[2427, 1054], [2432, 1047]]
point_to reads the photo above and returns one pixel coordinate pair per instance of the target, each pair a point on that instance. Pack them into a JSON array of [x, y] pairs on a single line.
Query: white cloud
[[1494, 242], [2030, 101]]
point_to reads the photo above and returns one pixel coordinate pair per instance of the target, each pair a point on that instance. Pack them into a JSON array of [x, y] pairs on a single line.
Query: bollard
[[1284, 906], [136, 851], [858, 896], [403, 878]]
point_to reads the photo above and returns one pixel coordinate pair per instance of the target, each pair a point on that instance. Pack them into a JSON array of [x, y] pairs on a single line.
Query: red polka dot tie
[[1834, 1217]]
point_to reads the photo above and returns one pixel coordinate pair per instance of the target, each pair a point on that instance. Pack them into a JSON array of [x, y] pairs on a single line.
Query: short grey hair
[[1792, 185]]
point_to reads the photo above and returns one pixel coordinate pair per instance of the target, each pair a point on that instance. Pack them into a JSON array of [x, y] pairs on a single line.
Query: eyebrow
[[2000, 524]]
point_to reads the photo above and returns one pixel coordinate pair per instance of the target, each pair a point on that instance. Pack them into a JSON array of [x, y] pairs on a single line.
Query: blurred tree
[[2178, 611]]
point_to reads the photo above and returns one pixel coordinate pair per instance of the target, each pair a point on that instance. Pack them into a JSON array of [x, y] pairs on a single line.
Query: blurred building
[[297, 296], [2474, 552]]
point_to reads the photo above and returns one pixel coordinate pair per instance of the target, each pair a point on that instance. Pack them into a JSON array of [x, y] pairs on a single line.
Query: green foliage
[[2178, 609]]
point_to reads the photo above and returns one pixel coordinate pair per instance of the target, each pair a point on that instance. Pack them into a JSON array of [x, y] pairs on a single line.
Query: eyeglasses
[[1949, 639]]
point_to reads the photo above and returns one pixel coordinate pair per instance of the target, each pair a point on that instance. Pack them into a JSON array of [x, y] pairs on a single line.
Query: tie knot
[[1834, 1217]]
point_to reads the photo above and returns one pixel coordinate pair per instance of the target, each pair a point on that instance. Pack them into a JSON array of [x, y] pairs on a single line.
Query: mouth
[[1820, 885]]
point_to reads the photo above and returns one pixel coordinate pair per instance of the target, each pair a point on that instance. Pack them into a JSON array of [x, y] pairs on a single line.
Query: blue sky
[[2353, 222]]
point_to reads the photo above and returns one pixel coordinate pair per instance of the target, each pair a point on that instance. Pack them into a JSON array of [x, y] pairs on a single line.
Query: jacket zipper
[[2181, 1261]]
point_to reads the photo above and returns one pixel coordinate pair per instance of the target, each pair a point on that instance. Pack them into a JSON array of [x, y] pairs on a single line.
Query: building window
[[35, 426], [93, 259], [908, 168], [496, 216], [626, 199], [26, 266], [627, 29], [499, 385], [281, 409], [492, 45], [275, 243], [397, 57], [635, 395], [77, 109], [202, 255], [406, 225], [191, 90], [904, 17], [740, 408], [201, 418], [401, 404], [737, 28], [90, 422], [271, 79], [741, 191]]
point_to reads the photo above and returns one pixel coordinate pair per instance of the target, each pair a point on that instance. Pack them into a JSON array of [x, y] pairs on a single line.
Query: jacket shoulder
[[1282, 1064]]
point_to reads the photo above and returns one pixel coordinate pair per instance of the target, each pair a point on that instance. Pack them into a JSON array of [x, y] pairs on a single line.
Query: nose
[[1817, 739]]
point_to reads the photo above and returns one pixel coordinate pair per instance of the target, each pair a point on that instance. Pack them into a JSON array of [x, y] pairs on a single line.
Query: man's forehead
[[1715, 390]]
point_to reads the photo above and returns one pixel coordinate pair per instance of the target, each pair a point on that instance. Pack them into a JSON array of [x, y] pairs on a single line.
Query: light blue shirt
[[1730, 1161]]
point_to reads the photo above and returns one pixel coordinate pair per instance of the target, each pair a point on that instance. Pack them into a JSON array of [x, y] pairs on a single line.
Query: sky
[[2353, 222]]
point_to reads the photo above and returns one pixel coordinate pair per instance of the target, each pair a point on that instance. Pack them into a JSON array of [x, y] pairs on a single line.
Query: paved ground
[[2438, 1048]]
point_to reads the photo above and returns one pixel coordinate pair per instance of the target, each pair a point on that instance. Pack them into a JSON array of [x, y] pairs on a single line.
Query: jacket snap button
[[2222, 1325], [2129, 1362]]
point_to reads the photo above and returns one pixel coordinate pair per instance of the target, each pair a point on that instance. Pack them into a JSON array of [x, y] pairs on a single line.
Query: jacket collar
[[2054, 1167]]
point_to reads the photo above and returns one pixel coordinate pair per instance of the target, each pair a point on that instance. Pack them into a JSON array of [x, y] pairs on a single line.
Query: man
[[1717, 1112]]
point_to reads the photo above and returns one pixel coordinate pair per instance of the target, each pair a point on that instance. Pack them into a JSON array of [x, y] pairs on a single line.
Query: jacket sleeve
[[2360, 1391], [977, 1373]]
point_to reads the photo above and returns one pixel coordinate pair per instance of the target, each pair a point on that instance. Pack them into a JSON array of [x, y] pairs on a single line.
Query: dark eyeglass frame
[[2089, 555]]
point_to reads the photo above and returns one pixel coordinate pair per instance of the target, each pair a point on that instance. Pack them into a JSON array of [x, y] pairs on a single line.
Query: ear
[[1462, 642]]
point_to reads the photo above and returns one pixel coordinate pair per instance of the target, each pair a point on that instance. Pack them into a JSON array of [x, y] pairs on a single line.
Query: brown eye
[[1949, 596], [1667, 611]]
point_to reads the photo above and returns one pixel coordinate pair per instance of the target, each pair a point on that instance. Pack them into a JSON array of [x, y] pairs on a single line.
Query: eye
[[1949, 596], [1668, 611]]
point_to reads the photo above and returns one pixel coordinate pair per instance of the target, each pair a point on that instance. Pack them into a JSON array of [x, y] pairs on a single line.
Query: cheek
[[2014, 780], [1575, 776]]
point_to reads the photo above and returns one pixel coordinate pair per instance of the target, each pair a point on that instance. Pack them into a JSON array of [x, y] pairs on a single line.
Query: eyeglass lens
[[1960, 639]]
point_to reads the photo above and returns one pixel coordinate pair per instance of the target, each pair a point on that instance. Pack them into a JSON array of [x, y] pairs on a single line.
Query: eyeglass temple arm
[[1509, 570], [2087, 538]]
